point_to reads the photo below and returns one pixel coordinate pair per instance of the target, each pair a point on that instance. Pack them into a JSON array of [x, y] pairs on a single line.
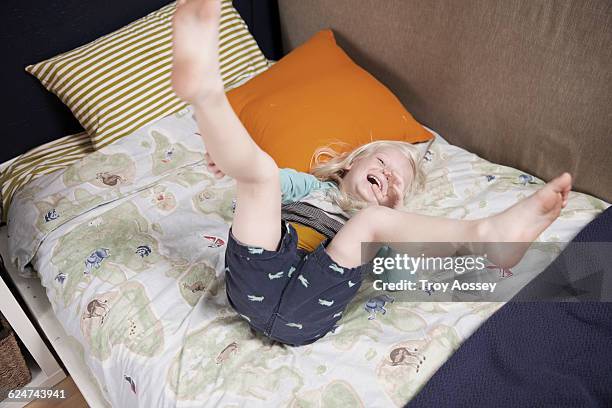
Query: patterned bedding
[[45, 159], [129, 244]]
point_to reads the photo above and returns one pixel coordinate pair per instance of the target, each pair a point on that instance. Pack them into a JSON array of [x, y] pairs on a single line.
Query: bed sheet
[[129, 244]]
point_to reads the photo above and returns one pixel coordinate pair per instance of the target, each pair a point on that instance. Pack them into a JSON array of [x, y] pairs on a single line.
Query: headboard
[[35, 30], [526, 83]]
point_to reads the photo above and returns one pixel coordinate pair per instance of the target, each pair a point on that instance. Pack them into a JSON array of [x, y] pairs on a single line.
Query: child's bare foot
[[195, 67], [524, 222]]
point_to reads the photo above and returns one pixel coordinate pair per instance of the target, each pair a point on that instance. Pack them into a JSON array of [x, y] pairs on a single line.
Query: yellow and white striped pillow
[[44, 159], [120, 82]]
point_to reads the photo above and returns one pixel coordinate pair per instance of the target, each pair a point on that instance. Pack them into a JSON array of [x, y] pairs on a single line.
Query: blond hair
[[328, 164]]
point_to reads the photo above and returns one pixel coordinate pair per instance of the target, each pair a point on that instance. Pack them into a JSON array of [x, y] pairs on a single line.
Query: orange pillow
[[317, 95]]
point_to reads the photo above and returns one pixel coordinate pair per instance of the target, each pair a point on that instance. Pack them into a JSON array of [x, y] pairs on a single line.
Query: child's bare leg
[[521, 223], [196, 79]]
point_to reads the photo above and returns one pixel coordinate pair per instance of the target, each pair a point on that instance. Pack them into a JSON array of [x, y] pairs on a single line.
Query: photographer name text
[[427, 286]]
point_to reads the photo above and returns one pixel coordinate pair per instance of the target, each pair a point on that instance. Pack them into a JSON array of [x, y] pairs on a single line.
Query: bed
[[137, 295]]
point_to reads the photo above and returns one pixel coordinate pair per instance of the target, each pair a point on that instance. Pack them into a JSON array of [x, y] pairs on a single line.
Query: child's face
[[379, 177]]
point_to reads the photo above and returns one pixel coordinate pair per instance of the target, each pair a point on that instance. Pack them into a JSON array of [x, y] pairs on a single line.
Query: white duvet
[[129, 245]]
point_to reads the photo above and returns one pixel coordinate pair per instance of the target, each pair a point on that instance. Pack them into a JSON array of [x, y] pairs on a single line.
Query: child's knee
[[365, 224], [376, 212], [269, 169], [262, 171], [372, 222]]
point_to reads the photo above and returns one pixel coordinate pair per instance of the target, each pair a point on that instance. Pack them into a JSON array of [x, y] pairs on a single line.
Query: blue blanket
[[534, 354]]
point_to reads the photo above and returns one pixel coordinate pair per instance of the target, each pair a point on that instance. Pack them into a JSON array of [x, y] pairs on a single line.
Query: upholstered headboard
[[526, 83], [35, 30]]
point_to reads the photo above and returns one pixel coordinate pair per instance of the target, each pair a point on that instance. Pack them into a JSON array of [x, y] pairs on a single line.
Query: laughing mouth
[[374, 180]]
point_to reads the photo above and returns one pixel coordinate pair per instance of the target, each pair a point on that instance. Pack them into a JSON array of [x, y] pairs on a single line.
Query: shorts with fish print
[[292, 298]]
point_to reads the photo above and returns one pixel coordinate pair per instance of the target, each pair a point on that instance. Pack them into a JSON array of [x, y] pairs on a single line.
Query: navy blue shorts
[[288, 296]]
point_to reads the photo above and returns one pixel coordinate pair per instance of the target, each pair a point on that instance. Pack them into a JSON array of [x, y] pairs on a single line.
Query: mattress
[[129, 244]]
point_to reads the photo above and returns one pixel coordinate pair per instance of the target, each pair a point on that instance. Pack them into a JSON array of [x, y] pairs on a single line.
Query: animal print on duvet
[[131, 254]]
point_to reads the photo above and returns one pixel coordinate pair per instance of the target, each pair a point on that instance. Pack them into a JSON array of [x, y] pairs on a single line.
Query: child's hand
[[394, 198], [212, 167]]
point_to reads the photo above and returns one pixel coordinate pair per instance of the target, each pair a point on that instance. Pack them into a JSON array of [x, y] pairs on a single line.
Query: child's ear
[[348, 165], [345, 170]]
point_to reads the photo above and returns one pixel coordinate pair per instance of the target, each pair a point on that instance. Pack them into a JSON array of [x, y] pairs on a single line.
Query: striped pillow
[[44, 159], [120, 82]]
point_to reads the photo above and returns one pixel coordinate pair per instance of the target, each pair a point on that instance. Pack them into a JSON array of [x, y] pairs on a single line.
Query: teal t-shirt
[[296, 185]]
